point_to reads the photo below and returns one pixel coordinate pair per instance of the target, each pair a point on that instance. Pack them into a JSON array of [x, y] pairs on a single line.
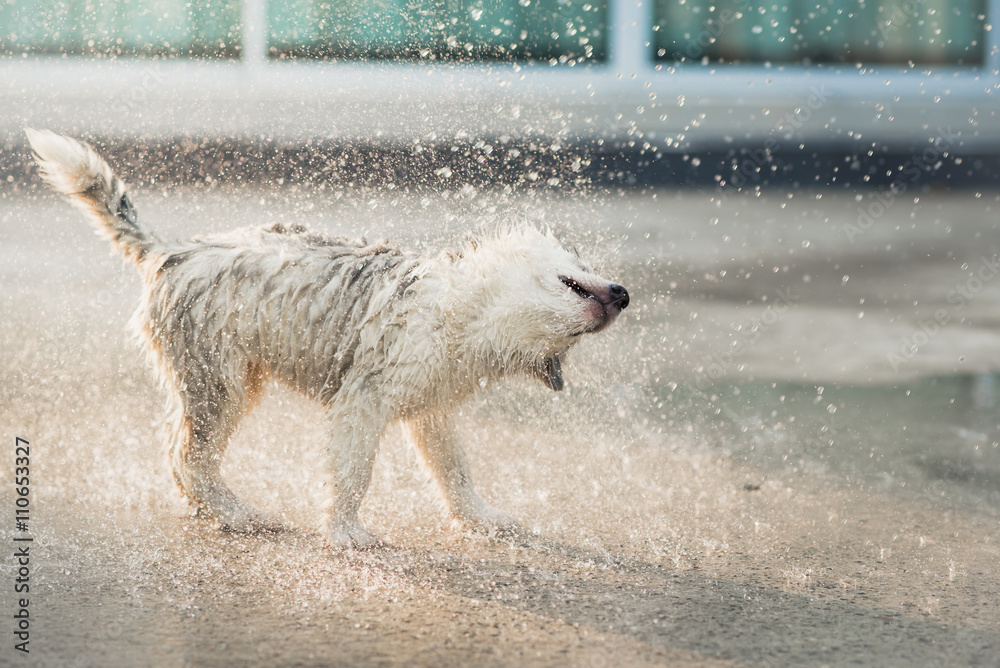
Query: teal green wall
[[844, 31], [462, 29], [205, 27], [540, 29]]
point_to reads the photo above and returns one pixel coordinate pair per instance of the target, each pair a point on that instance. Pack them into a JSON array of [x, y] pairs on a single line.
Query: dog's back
[[282, 300]]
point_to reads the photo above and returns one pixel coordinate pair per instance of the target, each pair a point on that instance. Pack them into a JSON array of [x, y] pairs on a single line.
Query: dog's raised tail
[[76, 170]]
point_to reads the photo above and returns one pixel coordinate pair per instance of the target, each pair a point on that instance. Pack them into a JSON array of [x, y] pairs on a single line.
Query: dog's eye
[[575, 287]]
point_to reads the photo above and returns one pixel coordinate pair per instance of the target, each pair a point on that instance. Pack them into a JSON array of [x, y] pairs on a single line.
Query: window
[[433, 29], [560, 30], [808, 31], [167, 27]]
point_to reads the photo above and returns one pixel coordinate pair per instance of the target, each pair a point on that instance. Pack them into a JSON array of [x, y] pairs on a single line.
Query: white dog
[[374, 334]]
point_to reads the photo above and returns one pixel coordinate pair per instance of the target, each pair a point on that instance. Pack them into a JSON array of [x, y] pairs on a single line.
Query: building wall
[[661, 77]]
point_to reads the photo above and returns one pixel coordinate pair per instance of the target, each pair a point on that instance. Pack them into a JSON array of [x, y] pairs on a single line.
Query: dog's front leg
[[353, 445], [434, 438]]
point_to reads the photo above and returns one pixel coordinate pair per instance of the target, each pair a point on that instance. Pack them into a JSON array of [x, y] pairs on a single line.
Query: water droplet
[[831, 409]]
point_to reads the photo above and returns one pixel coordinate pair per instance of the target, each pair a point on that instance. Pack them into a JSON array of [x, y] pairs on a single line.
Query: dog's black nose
[[619, 295]]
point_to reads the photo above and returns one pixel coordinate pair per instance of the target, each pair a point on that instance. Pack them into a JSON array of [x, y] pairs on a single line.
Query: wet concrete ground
[[739, 473]]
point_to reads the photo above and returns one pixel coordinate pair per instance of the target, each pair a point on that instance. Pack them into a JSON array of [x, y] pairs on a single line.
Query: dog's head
[[539, 300]]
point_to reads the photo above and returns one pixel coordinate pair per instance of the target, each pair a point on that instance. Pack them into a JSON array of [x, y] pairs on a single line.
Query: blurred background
[[664, 82], [802, 198]]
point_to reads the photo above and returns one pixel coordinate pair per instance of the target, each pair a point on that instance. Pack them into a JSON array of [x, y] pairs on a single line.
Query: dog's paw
[[353, 536], [247, 520], [490, 521]]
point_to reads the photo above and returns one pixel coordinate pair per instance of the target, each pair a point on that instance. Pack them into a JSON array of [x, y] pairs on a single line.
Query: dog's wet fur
[[375, 334]]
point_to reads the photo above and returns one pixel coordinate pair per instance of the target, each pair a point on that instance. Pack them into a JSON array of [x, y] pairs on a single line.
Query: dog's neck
[[479, 333]]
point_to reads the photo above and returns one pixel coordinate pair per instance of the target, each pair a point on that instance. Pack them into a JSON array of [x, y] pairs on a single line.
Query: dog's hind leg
[[434, 438], [205, 417]]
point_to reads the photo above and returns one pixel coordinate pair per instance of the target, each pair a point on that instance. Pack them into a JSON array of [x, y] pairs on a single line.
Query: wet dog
[[376, 335]]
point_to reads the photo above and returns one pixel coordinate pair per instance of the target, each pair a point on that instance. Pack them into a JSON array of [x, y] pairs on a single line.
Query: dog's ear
[[549, 371]]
